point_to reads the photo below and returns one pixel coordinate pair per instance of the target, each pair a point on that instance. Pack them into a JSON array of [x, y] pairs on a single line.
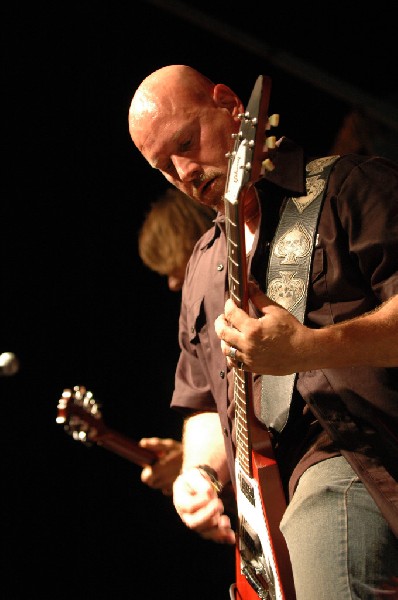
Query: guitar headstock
[[249, 159], [80, 415]]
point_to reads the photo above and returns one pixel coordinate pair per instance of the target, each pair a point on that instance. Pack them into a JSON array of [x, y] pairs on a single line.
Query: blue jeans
[[341, 547]]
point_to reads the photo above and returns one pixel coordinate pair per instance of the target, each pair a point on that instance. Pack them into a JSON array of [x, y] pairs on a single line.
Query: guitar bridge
[[253, 563]]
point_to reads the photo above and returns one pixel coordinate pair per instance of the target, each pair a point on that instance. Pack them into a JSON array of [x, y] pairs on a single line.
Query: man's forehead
[[162, 133], [159, 119], [160, 142]]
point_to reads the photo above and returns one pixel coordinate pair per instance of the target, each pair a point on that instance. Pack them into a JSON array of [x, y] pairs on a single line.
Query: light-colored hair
[[170, 230]]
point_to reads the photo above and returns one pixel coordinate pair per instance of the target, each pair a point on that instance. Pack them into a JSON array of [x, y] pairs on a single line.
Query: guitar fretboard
[[237, 284]]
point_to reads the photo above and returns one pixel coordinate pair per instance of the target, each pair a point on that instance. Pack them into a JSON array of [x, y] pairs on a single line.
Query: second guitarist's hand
[[163, 472], [198, 505]]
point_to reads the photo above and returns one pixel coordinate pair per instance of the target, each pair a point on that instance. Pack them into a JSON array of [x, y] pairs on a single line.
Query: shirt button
[[192, 329], [222, 374], [220, 267], [226, 432]]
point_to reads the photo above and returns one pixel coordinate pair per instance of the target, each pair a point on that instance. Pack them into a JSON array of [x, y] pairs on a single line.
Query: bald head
[[160, 91], [182, 123]]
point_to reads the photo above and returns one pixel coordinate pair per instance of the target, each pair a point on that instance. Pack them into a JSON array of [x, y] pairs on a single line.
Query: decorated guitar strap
[[288, 276]]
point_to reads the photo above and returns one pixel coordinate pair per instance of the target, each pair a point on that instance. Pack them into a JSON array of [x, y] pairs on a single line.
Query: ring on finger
[[232, 353]]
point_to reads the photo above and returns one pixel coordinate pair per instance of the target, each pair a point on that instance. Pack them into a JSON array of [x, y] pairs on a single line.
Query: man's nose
[[186, 168]]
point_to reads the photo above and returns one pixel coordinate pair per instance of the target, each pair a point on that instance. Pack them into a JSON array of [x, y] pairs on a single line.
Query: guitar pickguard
[[256, 561]]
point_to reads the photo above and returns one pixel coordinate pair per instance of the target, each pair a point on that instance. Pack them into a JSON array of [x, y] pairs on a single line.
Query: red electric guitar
[[263, 568], [81, 417]]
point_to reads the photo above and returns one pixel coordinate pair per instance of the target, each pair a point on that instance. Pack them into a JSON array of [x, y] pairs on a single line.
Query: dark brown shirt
[[354, 269]]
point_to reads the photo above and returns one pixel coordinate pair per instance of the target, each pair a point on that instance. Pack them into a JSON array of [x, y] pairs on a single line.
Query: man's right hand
[[198, 505]]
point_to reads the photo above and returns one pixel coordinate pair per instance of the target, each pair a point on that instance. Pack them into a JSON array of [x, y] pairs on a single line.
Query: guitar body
[[262, 555], [263, 569]]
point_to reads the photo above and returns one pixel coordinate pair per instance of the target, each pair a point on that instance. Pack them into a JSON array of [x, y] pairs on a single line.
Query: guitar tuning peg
[[80, 436], [270, 142], [267, 165], [274, 120], [230, 154]]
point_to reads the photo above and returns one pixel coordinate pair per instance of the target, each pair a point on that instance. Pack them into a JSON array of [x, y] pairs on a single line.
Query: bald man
[[344, 353]]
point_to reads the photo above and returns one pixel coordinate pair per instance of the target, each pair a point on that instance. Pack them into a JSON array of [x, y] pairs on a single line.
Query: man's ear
[[224, 97]]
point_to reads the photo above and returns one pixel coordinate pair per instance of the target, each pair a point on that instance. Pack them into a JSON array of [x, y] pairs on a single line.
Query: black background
[[77, 305]]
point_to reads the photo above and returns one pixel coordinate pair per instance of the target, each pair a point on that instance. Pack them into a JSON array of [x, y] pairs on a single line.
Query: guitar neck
[[126, 448], [236, 249], [238, 291], [81, 417]]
